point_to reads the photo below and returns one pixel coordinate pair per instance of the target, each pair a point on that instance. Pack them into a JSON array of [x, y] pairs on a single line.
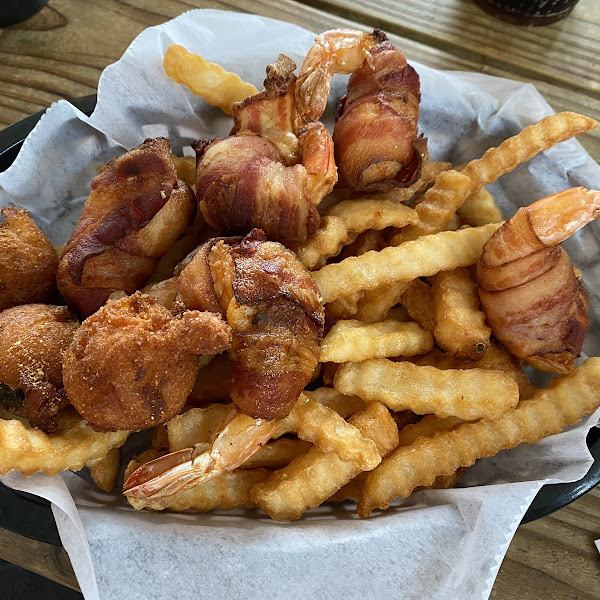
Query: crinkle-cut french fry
[[213, 383], [429, 171], [329, 432], [455, 223], [525, 145], [364, 242], [353, 341], [186, 168], [32, 451], [468, 394], [343, 307], [566, 400], [418, 303], [196, 425], [443, 482], [459, 323], [334, 197], [277, 454], [313, 477], [344, 221], [217, 86], [480, 208], [422, 257], [104, 470], [225, 491], [327, 241], [190, 240], [438, 206], [496, 358], [351, 491], [375, 304], [429, 425], [369, 213], [451, 189]]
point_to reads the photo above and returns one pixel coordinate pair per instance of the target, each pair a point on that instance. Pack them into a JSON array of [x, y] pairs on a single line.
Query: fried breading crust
[[28, 261], [33, 339], [132, 364]]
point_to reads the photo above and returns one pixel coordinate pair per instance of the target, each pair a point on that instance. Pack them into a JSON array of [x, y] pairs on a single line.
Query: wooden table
[[61, 51]]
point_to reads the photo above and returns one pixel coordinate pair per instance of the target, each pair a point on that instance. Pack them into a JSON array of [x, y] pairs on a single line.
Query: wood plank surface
[[61, 51]]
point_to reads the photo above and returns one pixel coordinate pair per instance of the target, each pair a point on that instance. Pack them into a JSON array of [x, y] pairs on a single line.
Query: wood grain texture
[[49, 561], [61, 51]]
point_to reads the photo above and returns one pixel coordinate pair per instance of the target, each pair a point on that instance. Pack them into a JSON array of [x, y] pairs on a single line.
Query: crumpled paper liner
[[435, 544]]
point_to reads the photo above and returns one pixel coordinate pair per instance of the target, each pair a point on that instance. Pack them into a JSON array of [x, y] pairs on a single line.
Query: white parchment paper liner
[[436, 544]]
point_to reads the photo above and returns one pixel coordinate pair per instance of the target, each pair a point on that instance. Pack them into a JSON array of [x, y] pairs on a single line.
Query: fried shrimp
[[273, 307], [132, 364], [531, 297], [136, 210], [375, 136], [266, 174], [28, 261], [33, 340]]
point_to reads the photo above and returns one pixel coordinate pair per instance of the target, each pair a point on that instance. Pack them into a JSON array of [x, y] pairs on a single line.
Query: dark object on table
[[19, 583], [528, 12], [15, 11]]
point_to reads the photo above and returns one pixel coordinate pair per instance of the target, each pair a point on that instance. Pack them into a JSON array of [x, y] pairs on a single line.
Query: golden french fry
[[525, 145], [344, 405], [566, 400], [353, 341], [375, 304], [32, 451], [468, 394], [480, 208], [225, 491], [277, 454], [367, 213], [327, 430], [351, 491], [313, 477], [459, 323], [438, 206], [398, 313], [104, 470], [186, 169], [418, 303], [452, 188], [344, 221], [327, 241], [343, 307], [428, 426], [217, 86], [422, 257], [443, 482], [364, 242], [196, 425]]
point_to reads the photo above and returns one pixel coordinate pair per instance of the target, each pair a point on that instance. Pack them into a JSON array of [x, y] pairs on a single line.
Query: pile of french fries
[[412, 389]]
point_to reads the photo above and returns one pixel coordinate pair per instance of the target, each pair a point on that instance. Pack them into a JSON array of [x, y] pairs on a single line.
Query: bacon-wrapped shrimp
[[28, 261], [532, 299], [33, 340], [375, 136], [132, 364], [136, 210], [273, 307], [266, 174]]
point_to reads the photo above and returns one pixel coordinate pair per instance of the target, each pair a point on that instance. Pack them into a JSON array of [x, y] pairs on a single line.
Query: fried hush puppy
[[133, 363], [28, 261], [33, 340]]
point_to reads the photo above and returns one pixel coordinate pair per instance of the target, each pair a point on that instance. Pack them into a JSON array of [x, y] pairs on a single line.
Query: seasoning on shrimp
[[533, 301], [375, 136]]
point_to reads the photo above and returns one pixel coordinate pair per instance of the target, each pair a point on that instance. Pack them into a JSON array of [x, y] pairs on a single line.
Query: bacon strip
[[105, 252], [375, 137]]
